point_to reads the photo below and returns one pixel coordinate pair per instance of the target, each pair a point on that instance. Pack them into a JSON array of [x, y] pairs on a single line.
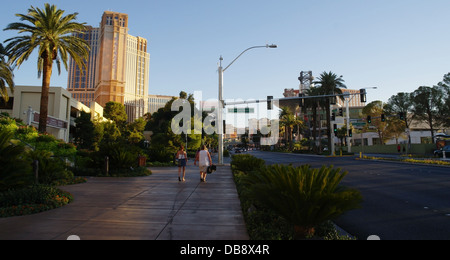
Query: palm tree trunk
[[290, 138], [43, 113]]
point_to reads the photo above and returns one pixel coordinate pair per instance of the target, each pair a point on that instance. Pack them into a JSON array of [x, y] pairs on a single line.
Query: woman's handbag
[[211, 169]]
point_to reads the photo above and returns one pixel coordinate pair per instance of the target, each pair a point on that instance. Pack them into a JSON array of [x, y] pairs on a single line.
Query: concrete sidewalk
[[157, 207]]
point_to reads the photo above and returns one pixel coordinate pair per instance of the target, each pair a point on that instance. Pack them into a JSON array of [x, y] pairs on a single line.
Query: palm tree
[[6, 75], [289, 121], [314, 104], [54, 35], [330, 84]]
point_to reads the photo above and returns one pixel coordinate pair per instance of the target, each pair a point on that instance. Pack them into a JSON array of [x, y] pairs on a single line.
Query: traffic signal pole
[[286, 99], [270, 99]]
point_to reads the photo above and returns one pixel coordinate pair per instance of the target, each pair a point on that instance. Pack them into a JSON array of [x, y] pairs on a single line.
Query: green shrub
[[15, 171], [32, 200], [8, 124], [51, 170], [246, 163], [160, 154], [122, 156], [58, 148], [303, 196]]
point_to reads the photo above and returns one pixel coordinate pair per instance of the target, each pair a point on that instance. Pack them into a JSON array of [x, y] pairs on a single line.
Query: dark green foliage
[[246, 163], [32, 200], [85, 131], [159, 153], [15, 171], [305, 197], [275, 199], [116, 112], [51, 169], [123, 159]]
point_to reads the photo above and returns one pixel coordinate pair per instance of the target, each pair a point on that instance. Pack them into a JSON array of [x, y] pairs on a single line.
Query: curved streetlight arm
[[273, 46], [221, 106]]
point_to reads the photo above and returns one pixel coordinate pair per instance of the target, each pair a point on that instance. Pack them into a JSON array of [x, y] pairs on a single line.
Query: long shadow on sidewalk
[[157, 207]]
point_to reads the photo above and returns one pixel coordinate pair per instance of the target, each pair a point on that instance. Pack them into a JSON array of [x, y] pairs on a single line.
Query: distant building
[[24, 104], [355, 98], [81, 83], [118, 67], [156, 102], [290, 92]]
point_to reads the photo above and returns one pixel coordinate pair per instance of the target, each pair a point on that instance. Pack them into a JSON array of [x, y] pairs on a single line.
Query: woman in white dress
[[204, 160]]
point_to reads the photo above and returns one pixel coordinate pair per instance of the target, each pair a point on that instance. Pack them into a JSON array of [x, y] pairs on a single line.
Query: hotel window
[[109, 20]]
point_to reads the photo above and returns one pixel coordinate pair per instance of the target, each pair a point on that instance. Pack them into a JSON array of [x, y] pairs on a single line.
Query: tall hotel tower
[[118, 67]]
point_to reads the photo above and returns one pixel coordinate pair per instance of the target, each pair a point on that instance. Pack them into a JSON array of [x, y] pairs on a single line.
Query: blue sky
[[396, 45]]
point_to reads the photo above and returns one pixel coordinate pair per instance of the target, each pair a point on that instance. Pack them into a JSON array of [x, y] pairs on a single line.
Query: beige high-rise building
[[121, 67]]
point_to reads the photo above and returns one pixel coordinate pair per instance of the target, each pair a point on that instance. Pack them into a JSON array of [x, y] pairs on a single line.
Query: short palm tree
[[6, 75], [330, 84], [305, 197], [53, 34]]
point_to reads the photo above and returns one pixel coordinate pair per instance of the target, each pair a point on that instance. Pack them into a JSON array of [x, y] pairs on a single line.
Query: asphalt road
[[401, 201]]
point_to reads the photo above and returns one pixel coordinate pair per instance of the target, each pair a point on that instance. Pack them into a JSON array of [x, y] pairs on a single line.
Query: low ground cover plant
[[32, 200]]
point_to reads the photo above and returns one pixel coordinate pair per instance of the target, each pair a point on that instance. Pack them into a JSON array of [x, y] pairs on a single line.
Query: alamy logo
[[185, 123]]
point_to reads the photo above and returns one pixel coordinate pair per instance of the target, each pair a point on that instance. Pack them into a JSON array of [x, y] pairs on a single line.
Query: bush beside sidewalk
[[275, 206]]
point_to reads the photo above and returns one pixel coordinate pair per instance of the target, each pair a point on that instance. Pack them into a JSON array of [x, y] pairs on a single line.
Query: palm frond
[[50, 32], [6, 80], [302, 195]]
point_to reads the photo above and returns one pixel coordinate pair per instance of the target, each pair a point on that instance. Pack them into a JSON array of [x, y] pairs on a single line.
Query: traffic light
[[350, 133], [341, 112], [401, 115], [335, 128], [269, 103], [363, 94], [369, 119], [333, 116], [383, 118]]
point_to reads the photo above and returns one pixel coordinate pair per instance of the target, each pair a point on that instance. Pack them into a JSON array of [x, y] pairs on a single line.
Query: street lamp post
[[221, 100]]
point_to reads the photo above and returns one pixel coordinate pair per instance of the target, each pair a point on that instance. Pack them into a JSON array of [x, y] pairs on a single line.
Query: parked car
[[440, 152]]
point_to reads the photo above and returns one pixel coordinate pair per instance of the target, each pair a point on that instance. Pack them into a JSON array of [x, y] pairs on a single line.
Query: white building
[[24, 104]]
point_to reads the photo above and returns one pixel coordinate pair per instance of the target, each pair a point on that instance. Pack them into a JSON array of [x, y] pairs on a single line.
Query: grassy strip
[[415, 161]]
